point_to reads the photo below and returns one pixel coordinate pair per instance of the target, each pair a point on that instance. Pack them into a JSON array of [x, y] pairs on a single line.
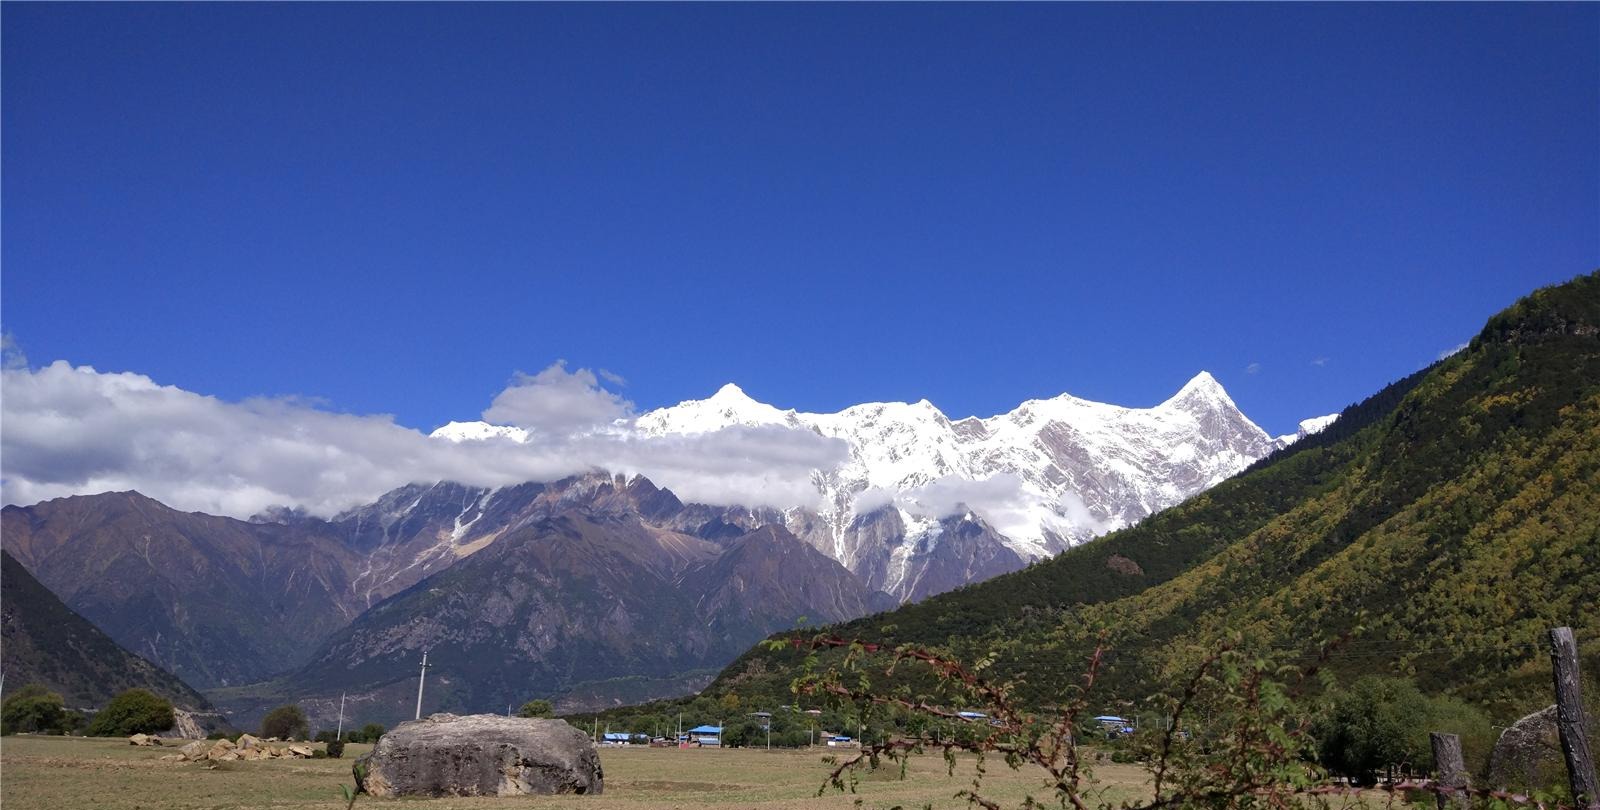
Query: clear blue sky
[[393, 208]]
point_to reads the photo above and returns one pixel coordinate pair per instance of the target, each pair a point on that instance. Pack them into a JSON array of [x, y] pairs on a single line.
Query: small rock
[[174, 758]]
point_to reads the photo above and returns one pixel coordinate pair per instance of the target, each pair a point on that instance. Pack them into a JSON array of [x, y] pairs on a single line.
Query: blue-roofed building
[[620, 738], [705, 735], [972, 715], [1114, 724]]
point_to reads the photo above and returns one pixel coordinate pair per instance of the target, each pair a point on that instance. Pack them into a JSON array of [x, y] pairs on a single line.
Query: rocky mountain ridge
[[1041, 478]]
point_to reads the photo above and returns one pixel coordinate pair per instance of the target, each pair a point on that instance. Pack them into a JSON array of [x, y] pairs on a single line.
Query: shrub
[[335, 748], [1381, 724], [34, 708], [136, 711], [536, 708], [285, 722]]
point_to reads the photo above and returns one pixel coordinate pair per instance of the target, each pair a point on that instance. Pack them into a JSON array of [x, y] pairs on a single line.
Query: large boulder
[[1528, 753], [480, 755]]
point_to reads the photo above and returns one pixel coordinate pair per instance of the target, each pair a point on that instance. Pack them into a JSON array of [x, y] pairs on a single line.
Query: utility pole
[[339, 735], [420, 679]]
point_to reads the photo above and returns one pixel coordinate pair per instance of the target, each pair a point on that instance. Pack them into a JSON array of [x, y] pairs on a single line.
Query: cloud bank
[[67, 430]]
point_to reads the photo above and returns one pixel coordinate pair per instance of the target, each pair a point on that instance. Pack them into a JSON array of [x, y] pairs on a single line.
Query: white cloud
[[871, 500], [1319, 361], [1253, 368], [1005, 501], [1453, 350], [11, 355], [556, 401], [73, 430]]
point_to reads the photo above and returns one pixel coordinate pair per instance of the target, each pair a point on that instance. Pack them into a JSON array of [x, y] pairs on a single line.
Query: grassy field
[[57, 773]]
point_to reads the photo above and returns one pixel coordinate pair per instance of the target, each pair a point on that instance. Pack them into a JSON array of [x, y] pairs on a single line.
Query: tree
[[743, 734], [35, 709], [1376, 725], [136, 711], [285, 723], [536, 708], [369, 733]]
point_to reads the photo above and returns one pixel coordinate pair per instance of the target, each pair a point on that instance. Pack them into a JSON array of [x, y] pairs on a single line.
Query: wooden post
[[1570, 719], [1451, 770]]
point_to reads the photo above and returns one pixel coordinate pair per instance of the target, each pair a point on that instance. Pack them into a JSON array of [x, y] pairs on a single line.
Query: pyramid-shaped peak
[[1201, 389], [730, 392]]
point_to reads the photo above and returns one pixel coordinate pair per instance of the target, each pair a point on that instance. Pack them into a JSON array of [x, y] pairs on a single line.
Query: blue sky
[[394, 208]]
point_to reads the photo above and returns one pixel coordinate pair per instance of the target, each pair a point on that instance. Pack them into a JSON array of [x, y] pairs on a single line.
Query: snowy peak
[[1046, 475], [1315, 424], [730, 406], [731, 393], [478, 431], [1201, 392]]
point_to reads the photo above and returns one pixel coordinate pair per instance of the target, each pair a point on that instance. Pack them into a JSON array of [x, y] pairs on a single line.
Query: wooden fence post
[[1570, 719], [1451, 769]]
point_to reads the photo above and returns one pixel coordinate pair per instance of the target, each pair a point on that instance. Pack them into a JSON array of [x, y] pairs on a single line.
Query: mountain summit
[[1045, 476]]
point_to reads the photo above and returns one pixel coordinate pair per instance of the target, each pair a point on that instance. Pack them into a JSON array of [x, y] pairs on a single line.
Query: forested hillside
[[1440, 527]]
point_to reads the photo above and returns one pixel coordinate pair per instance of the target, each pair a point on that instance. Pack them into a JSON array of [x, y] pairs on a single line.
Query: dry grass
[[55, 773]]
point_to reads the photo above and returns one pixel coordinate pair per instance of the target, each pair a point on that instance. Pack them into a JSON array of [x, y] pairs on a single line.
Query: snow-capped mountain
[[1315, 424], [1012, 487]]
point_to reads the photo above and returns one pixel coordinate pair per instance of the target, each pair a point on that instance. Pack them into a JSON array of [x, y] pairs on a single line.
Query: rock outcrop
[[480, 755]]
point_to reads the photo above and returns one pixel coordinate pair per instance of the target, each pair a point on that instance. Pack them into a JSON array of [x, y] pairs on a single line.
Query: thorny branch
[[1254, 758]]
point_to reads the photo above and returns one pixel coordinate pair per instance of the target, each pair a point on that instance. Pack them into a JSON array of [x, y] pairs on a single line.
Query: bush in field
[[34, 709], [537, 708], [369, 733], [335, 748], [285, 722], [136, 711], [1380, 725]]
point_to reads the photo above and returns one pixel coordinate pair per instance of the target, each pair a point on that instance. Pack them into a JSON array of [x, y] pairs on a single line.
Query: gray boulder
[[480, 755], [1528, 753]]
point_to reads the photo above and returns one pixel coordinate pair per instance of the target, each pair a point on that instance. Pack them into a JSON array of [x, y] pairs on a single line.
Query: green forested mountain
[[1442, 525]]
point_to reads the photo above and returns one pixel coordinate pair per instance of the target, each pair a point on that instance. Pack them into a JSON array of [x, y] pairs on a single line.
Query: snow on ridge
[[1317, 424], [478, 431], [1308, 427], [1046, 475]]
